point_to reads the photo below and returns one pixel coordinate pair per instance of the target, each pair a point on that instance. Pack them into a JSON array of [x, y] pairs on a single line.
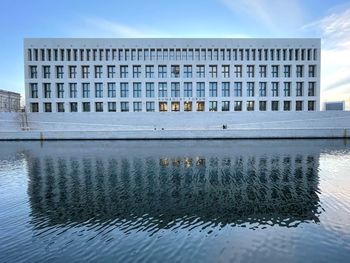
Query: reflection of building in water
[[227, 189]]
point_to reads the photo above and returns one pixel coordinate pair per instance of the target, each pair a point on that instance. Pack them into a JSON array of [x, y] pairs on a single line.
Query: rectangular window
[[200, 106], [46, 72], [60, 107], [149, 89], [175, 71], [213, 71], [123, 72], [150, 106], [300, 71], [312, 71], [33, 90], [300, 89], [225, 89], [188, 89], [85, 72], [175, 89], [225, 106], [112, 106], [238, 71], [73, 106], [188, 71], [275, 89], [47, 90], [137, 106], [86, 106], [163, 106], [59, 72], [311, 105], [250, 71], [175, 106], [200, 71], [111, 90], [60, 90], [162, 71], [200, 89], [287, 89], [136, 90], [250, 89], [238, 106], [98, 90], [149, 71], [213, 89], [262, 105], [162, 90], [124, 106], [136, 71], [274, 105], [287, 71], [226, 71], [72, 72], [188, 106], [286, 105], [275, 70], [86, 90], [98, 72], [311, 89], [213, 106], [33, 73], [73, 92], [47, 107], [262, 71], [250, 105], [110, 72], [98, 106], [34, 107], [262, 89], [299, 105], [124, 90], [238, 89]]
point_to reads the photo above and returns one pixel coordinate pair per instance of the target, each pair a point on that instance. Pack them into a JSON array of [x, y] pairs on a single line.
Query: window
[[110, 72], [213, 71], [60, 107], [274, 105], [47, 107], [175, 89], [200, 71], [59, 72], [124, 106], [188, 89], [149, 89], [300, 89], [60, 90], [149, 71], [225, 89], [250, 89], [175, 71], [98, 72], [46, 71], [250, 71], [124, 90], [238, 89], [311, 105], [213, 106], [85, 72], [124, 72], [299, 105], [213, 89], [262, 89], [86, 90], [86, 106], [262, 71], [73, 90], [200, 105], [47, 90], [287, 71], [286, 105], [238, 106], [163, 106], [98, 106], [162, 90], [275, 89], [238, 71], [175, 106], [136, 71], [226, 71], [300, 70], [111, 90], [262, 105], [312, 71], [73, 106], [162, 71], [287, 89], [275, 71], [250, 105], [136, 90], [188, 106], [33, 74], [72, 72], [98, 90], [112, 106], [225, 106], [150, 106], [188, 71], [311, 89], [200, 89], [33, 90], [34, 107]]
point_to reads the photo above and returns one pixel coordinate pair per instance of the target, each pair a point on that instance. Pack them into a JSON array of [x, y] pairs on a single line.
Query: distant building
[[9, 101], [334, 105]]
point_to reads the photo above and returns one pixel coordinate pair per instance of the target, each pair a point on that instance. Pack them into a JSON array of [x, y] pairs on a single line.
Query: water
[[175, 201]]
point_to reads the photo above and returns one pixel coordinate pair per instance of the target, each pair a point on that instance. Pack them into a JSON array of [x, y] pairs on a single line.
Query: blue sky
[[329, 20]]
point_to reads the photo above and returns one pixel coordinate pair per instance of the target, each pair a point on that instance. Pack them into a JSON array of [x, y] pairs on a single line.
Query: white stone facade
[[9, 101], [119, 75]]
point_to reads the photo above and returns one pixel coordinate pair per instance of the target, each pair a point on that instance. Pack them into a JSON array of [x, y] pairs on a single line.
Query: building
[[172, 75], [334, 105], [9, 101]]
